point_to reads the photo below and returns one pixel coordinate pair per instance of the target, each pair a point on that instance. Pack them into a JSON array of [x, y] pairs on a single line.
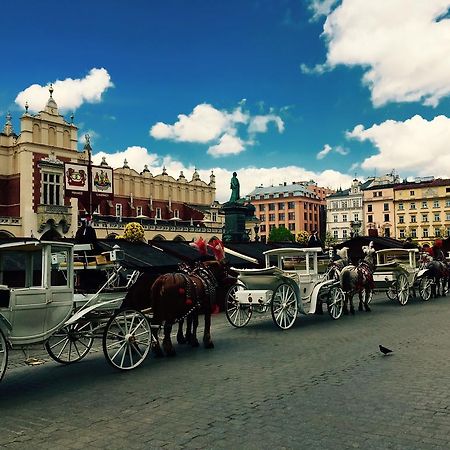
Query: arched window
[[36, 133], [66, 139], [159, 237], [179, 239]]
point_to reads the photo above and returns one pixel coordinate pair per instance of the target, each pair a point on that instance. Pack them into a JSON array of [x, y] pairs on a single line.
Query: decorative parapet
[[55, 214], [16, 221]]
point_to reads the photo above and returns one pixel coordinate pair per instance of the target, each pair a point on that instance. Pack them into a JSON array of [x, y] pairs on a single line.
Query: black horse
[[439, 273]]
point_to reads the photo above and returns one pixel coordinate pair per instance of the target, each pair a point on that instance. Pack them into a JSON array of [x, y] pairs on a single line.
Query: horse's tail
[[346, 279], [163, 289]]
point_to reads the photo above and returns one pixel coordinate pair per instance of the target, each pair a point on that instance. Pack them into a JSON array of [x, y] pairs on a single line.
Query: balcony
[[55, 214]]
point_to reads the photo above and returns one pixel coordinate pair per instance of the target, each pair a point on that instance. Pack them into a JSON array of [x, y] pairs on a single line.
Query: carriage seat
[[293, 275]]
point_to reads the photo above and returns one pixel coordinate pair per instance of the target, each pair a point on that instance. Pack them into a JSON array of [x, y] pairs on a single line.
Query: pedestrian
[[314, 240], [409, 243]]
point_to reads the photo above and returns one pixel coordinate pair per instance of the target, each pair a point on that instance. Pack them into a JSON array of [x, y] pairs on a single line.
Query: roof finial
[[8, 118], [26, 107], [125, 164], [87, 142], [50, 89], [72, 116]]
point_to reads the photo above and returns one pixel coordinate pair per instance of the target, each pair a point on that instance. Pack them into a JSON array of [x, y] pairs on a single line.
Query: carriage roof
[[32, 244], [293, 251], [393, 251]]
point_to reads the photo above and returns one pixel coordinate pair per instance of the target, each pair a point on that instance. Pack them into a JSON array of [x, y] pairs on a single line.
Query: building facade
[[345, 212], [299, 206], [33, 201], [422, 210]]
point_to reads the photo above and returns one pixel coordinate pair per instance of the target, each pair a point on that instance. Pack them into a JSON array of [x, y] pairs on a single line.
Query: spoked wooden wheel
[[284, 306], [335, 302], [71, 343], [238, 314], [392, 291], [3, 354], [127, 339], [402, 289], [425, 288]]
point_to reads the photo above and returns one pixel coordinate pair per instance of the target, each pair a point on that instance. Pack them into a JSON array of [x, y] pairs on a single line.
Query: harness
[[364, 273]]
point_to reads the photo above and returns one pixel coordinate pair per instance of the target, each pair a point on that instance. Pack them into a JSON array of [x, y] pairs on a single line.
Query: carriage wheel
[[402, 289], [284, 306], [238, 314], [425, 287], [392, 291], [3, 354], [335, 302], [127, 339], [71, 343]]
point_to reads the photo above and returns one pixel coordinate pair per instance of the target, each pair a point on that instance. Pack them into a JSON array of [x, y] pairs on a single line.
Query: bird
[[385, 350]]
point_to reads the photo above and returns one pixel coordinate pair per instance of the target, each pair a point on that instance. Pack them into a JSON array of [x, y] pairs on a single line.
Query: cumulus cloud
[[138, 156], [402, 46], [321, 7], [69, 94], [328, 149], [416, 146], [219, 128]]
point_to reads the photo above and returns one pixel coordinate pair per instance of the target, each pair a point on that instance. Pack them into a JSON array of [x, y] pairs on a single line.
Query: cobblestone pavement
[[320, 385]]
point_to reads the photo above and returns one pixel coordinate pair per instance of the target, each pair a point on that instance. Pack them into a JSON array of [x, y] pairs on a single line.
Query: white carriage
[[289, 285], [399, 274], [38, 305]]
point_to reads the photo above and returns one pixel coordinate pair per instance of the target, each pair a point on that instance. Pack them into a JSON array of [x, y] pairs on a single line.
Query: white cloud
[[69, 94], [321, 7], [249, 177], [228, 145], [328, 149], [401, 46], [259, 124], [416, 146], [219, 128]]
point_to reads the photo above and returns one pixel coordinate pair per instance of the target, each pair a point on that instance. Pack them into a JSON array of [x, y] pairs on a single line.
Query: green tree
[[281, 234], [330, 240]]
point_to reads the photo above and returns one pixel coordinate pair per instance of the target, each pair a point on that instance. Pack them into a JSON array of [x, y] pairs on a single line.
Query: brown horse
[[176, 296]]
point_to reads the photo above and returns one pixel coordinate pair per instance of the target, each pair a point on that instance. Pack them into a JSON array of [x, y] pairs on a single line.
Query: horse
[[174, 297], [359, 279], [438, 271], [337, 264]]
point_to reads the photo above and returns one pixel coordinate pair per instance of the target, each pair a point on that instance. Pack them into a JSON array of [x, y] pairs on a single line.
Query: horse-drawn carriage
[[289, 285], [399, 274], [38, 304]]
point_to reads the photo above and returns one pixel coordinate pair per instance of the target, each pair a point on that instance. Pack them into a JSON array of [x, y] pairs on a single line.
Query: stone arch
[[5, 234], [36, 133], [179, 238], [51, 235], [159, 237], [111, 236]]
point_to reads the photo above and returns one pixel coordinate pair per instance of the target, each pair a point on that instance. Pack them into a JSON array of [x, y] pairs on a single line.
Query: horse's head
[[218, 269], [342, 253]]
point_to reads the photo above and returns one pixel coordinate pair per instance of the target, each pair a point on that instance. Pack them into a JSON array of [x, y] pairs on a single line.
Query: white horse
[[359, 279]]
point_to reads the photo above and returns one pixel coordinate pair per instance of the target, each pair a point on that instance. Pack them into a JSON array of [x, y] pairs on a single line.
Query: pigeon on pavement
[[384, 350]]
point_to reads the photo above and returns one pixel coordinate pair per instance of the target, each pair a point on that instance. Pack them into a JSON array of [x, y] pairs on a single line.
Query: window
[[262, 228], [281, 216], [158, 213], [355, 203], [335, 218], [59, 263], [437, 217], [345, 233], [447, 217], [118, 210], [356, 217], [401, 207], [271, 227], [344, 204], [291, 226], [437, 232], [334, 205], [386, 217], [413, 233], [412, 206], [271, 217], [271, 206], [262, 217], [413, 219], [281, 225], [401, 219], [138, 210], [424, 204], [291, 205], [310, 216], [447, 203], [281, 206], [436, 204], [411, 192], [262, 207], [176, 214], [291, 216], [51, 189], [344, 217], [369, 208], [447, 189], [305, 216], [370, 218], [336, 234], [425, 232], [387, 232], [386, 207], [402, 234]]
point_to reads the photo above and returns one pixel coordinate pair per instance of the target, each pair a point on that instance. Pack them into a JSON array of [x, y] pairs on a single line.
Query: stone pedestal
[[235, 216]]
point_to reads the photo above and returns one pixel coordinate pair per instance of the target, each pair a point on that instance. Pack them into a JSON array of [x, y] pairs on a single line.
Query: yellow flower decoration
[[133, 232]]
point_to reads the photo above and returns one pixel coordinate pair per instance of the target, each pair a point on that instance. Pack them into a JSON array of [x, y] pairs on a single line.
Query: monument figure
[[234, 186]]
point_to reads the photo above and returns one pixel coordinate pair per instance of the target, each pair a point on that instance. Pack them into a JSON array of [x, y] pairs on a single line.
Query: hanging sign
[[102, 182], [76, 179]]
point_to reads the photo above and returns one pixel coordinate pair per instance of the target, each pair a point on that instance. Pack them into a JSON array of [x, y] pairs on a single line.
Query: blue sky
[[277, 90]]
